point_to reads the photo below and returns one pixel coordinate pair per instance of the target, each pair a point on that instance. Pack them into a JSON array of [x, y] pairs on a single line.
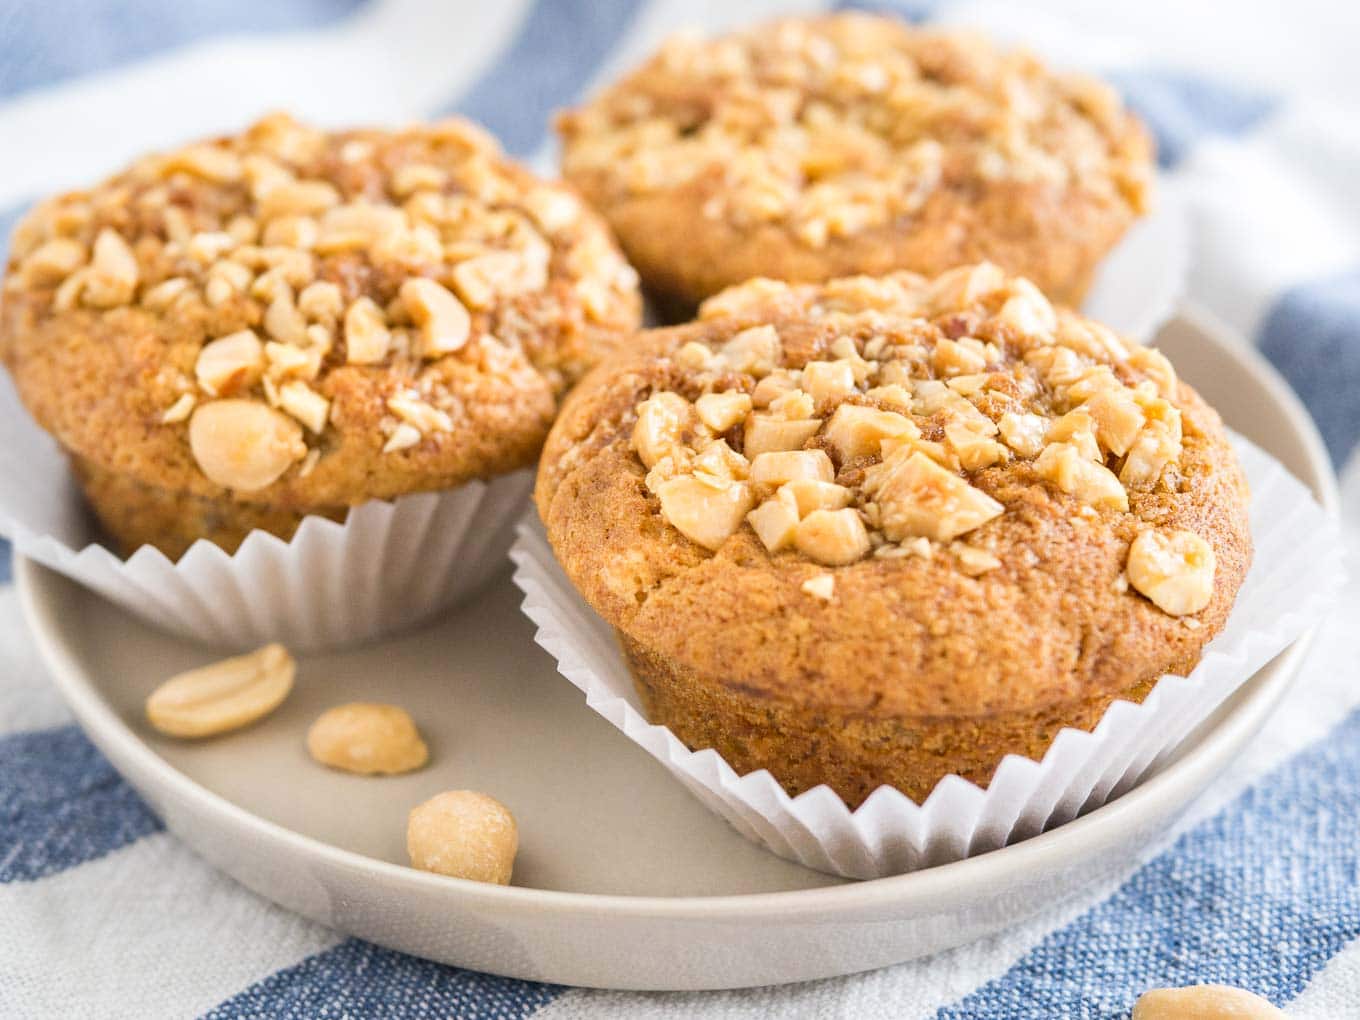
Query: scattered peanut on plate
[[224, 695], [367, 738], [464, 834], [1204, 1002]]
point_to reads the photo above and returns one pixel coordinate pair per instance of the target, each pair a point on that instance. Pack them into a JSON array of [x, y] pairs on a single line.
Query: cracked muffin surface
[[288, 321], [885, 530], [812, 148]]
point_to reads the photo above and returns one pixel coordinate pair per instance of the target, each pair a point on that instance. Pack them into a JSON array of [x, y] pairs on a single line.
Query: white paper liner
[[1294, 578], [388, 567], [1140, 283]]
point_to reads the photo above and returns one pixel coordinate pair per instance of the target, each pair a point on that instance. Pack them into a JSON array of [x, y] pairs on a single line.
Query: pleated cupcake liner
[[388, 567], [1139, 285], [1294, 579]]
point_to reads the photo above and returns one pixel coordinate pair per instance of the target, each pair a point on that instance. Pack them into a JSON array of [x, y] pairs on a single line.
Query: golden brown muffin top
[[932, 496], [839, 124], [309, 317]]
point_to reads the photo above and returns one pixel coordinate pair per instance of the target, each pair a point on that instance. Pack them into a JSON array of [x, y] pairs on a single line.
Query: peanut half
[[243, 444], [1204, 1002], [367, 738], [463, 834], [1174, 569], [223, 696]]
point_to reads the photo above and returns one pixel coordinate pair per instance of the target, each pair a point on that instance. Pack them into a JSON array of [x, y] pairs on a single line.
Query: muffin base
[[135, 514], [852, 752]]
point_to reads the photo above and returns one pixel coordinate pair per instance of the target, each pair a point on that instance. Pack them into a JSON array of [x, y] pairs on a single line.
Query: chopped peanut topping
[[835, 126], [703, 513], [305, 404], [1118, 419], [1065, 466], [823, 587], [1024, 433], [1175, 569], [857, 431], [179, 410], [769, 434], [877, 443], [753, 351], [916, 496], [720, 411], [293, 253], [480, 281], [832, 537], [54, 261], [420, 415], [775, 521], [774, 469], [661, 424], [827, 381], [1154, 364], [444, 322], [366, 335], [403, 437], [113, 272], [230, 363], [973, 561], [242, 444], [809, 494]]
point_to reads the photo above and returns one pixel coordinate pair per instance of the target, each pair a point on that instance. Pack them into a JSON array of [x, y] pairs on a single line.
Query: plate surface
[[623, 879]]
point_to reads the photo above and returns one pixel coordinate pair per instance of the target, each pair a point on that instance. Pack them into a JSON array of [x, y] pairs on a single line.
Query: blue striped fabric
[[517, 97], [908, 10], [1260, 896], [1310, 335], [1263, 894], [358, 979], [61, 805], [51, 42], [1183, 108]]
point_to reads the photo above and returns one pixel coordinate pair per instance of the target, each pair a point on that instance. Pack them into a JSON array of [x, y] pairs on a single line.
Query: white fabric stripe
[[393, 60], [27, 699], [662, 18], [148, 931], [1334, 991], [1271, 48], [1272, 210], [1046, 34]]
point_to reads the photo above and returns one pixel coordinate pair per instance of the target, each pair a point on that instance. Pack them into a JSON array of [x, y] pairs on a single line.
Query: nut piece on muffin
[[883, 530], [809, 149], [287, 322]]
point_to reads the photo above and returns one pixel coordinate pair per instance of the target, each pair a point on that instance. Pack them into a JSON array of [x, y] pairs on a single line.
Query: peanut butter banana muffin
[[288, 322], [814, 148], [883, 530]]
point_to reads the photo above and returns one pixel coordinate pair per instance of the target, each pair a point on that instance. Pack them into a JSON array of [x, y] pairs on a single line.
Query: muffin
[[884, 530], [810, 149], [249, 330]]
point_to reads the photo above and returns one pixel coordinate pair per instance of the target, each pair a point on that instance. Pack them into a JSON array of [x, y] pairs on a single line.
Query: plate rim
[[1195, 767]]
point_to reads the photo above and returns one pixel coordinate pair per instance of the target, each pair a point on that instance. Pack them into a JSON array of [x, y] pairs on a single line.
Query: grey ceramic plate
[[623, 880]]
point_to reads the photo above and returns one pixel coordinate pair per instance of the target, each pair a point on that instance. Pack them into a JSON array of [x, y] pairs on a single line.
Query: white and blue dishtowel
[[1259, 886]]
